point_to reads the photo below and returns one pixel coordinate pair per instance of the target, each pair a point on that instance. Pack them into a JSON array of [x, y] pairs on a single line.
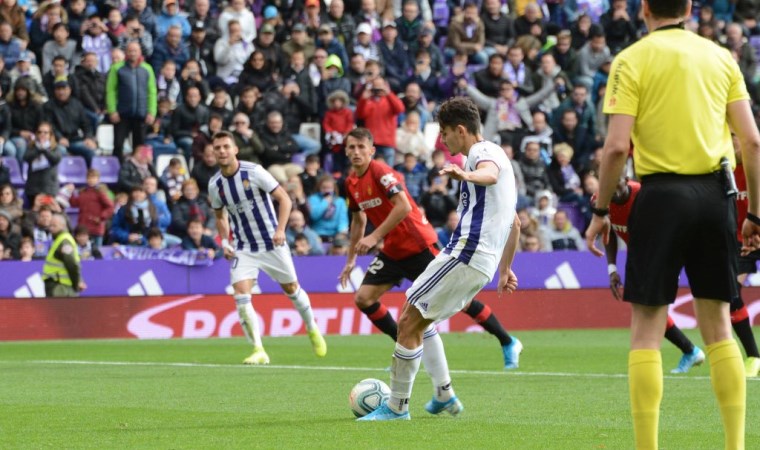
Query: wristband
[[601, 212], [753, 218], [226, 244], [611, 268]]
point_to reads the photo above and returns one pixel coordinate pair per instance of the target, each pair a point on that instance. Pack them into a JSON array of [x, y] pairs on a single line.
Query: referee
[[675, 94]]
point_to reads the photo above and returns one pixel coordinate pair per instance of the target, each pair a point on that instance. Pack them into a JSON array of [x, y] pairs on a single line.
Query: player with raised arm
[[485, 238], [376, 193], [620, 209], [243, 191]]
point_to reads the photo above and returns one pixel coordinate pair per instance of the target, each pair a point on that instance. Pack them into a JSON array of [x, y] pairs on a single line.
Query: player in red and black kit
[[376, 193], [747, 264], [620, 209]]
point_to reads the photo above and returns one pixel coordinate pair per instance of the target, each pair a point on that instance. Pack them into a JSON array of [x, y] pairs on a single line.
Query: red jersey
[[619, 213], [371, 193], [742, 201]]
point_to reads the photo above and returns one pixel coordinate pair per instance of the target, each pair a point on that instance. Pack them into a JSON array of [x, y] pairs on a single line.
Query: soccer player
[[486, 237], [674, 94], [620, 209], [243, 191], [376, 193]]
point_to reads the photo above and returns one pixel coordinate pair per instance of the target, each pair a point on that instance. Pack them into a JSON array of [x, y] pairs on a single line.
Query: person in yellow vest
[[62, 271]]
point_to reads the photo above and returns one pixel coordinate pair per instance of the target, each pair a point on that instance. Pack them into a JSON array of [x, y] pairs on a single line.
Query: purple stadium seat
[[299, 159], [72, 169], [109, 167], [574, 214], [20, 192], [327, 164], [17, 179]]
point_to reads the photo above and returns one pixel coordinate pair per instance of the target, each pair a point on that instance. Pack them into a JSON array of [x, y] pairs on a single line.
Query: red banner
[[215, 316]]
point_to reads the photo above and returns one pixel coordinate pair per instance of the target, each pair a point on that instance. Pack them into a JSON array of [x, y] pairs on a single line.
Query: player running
[[376, 193], [243, 191], [620, 209]]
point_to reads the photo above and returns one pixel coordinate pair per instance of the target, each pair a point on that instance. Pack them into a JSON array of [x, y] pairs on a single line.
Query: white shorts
[[445, 286], [277, 263]]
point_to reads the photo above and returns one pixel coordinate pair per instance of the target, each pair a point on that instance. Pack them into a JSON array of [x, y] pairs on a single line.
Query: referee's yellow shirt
[[677, 85]]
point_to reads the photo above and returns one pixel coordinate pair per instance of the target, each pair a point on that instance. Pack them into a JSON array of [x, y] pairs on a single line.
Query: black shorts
[[748, 264], [384, 270], [680, 221]]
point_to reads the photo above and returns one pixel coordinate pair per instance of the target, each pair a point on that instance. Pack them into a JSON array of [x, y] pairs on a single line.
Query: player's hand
[[750, 237], [507, 282], [366, 244], [616, 286], [345, 274], [453, 171], [598, 226], [279, 238], [82, 286]]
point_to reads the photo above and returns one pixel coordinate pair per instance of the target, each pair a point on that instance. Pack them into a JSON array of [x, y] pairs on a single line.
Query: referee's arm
[[742, 122]]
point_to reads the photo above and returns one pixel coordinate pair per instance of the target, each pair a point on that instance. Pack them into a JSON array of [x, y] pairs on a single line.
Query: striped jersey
[[246, 197], [486, 213]]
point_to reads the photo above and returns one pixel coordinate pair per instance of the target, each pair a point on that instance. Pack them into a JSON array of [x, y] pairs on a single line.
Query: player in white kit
[[486, 237], [242, 191]]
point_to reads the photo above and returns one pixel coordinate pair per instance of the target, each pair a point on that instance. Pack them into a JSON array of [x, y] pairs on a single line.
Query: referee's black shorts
[[681, 221]]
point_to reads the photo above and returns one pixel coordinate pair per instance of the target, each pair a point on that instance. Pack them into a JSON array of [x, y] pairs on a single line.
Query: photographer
[[379, 109], [136, 33]]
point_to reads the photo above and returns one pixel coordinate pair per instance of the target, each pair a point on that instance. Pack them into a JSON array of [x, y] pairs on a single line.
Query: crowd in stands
[[164, 76]]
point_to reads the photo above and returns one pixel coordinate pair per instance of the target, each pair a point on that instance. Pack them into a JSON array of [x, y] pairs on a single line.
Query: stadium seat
[[312, 130], [431, 132], [72, 169], [105, 138], [17, 178], [574, 214], [162, 162], [109, 167], [327, 163], [299, 159], [20, 192]]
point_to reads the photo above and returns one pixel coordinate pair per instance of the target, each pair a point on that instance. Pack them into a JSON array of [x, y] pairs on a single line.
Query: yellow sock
[[645, 383], [730, 386]]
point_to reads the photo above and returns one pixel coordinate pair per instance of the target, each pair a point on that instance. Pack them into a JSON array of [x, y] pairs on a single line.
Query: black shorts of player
[[681, 221], [748, 264], [384, 270]]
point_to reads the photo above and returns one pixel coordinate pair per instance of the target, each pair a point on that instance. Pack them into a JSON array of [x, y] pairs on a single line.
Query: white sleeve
[[213, 195], [481, 153], [263, 179]]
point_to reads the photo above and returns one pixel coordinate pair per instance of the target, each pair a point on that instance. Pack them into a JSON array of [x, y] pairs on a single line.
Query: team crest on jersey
[[388, 179], [369, 190], [246, 184]]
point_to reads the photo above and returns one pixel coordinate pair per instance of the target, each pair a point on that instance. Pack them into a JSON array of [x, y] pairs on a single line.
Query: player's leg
[[249, 321], [367, 299], [511, 347], [743, 329], [726, 371], [437, 367], [692, 355]]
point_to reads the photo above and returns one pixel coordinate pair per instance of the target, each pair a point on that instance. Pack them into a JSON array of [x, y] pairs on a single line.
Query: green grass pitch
[[570, 393]]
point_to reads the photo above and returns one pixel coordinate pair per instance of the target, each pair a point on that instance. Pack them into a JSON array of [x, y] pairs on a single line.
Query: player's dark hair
[[460, 111], [668, 9], [359, 134], [223, 134]]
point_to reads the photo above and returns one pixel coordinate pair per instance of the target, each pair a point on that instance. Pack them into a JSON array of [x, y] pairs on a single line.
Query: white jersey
[[246, 197], [486, 213]]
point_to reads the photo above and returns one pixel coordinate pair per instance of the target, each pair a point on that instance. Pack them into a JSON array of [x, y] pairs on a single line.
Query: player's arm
[[355, 233], [401, 209], [223, 228], [611, 249], [742, 122], [507, 278], [284, 206], [485, 174]]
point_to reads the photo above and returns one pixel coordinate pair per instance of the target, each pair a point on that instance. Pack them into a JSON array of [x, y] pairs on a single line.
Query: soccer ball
[[367, 396]]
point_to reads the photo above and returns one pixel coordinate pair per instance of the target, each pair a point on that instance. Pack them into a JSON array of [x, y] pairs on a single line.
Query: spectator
[[297, 107], [327, 40], [306, 94], [87, 250], [15, 17], [169, 18], [91, 88], [136, 168], [311, 174], [329, 212], [564, 53], [156, 239], [563, 235], [529, 227], [571, 132], [72, 128], [115, 25], [131, 223], [248, 142], [736, 42], [425, 42], [167, 84], [131, 98], [409, 138], [505, 115], [237, 11], [338, 121], [279, 148], [192, 76], [170, 47], [528, 20], [26, 250], [518, 72], [59, 69], [342, 23], [202, 15], [618, 26], [530, 244], [173, 178], [231, 52], [445, 232], [415, 175], [10, 46], [499, 28], [317, 66], [311, 16], [591, 56], [339, 246], [26, 114], [489, 79], [467, 33], [10, 238], [187, 120], [7, 148], [414, 101], [581, 31], [215, 124], [297, 227], [549, 80], [257, 72], [10, 203], [136, 32], [221, 107], [163, 215], [564, 179], [302, 246], [266, 44], [204, 169], [191, 206], [379, 109], [61, 45], [394, 56], [95, 39], [25, 69], [410, 23], [363, 44], [95, 208], [159, 135], [76, 15], [369, 13], [196, 240], [43, 156], [437, 202], [201, 47], [48, 14], [534, 170], [451, 84], [41, 227], [332, 80], [424, 77], [281, 30], [299, 42]]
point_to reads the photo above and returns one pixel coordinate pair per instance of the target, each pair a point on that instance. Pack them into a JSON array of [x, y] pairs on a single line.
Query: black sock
[[484, 317], [676, 336], [743, 331], [382, 318]]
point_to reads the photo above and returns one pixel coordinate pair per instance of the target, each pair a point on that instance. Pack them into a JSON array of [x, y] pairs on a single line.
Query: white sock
[[302, 304], [404, 368], [248, 319], [436, 365]]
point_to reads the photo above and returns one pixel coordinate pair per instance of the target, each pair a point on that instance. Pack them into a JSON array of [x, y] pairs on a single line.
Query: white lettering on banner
[[140, 324], [346, 321], [285, 322], [199, 324], [564, 278], [682, 320], [229, 321], [322, 316]]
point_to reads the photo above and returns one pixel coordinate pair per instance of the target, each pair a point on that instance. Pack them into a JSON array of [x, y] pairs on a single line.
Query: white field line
[[342, 369]]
